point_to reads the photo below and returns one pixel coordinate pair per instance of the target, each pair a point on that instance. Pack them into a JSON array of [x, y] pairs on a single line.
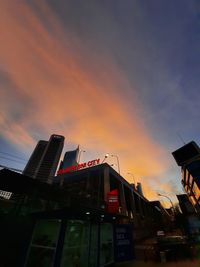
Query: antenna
[[181, 138]]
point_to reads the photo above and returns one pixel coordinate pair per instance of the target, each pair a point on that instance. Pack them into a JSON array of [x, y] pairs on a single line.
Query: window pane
[[76, 244], [106, 244], [43, 245]]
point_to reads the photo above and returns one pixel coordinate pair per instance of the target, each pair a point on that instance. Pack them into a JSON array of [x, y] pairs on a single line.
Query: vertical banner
[[113, 201], [123, 240]]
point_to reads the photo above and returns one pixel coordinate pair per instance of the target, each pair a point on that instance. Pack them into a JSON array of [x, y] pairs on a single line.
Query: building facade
[[71, 223], [188, 158]]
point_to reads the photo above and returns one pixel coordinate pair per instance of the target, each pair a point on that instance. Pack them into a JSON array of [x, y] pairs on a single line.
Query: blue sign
[[123, 236]]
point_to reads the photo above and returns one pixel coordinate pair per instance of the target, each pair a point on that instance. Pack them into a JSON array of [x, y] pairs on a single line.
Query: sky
[[113, 76]]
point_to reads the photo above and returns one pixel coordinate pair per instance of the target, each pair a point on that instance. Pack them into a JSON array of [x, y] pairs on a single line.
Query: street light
[[169, 200], [105, 157], [132, 176], [117, 162]]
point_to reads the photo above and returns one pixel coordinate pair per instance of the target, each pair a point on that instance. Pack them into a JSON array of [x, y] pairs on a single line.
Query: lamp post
[[169, 200], [105, 157], [117, 162], [132, 176]]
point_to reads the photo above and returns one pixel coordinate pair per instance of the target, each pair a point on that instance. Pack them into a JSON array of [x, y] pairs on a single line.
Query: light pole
[[105, 157], [132, 176], [169, 200], [117, 162]]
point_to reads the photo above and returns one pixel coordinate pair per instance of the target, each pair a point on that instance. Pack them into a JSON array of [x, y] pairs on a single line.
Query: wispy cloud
[[50, 83]]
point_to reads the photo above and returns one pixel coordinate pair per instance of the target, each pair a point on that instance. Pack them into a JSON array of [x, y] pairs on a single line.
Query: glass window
[[196, 190], [186, 176], [106, 244], [43, 245], [93, 246], [190, 180], [76, 244], [183, 173], [192, 200]]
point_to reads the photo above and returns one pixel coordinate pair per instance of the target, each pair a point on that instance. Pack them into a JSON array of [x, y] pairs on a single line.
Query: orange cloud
[[71, 91]]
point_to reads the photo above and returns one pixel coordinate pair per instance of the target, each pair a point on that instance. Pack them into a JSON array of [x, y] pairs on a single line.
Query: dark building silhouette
[[62, 225], [186, 153], [185, 204], [188, 219], [70, 158], [35, 159], [43, 162], [188, 157], [139, 188]]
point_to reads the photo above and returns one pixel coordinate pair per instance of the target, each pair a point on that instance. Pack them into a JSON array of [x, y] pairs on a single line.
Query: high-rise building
[[70, 158], [188, 157], [35, 159], [43, 162]]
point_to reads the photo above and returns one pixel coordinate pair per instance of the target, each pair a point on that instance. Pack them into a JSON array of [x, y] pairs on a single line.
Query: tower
[[70, 158], [43, 162], [35, 159]]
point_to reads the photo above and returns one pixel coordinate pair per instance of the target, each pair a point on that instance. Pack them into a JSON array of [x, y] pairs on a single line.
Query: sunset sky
[[113, 76]]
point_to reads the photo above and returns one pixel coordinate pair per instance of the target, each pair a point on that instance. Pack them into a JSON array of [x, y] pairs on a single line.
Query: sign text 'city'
[[79, 166]]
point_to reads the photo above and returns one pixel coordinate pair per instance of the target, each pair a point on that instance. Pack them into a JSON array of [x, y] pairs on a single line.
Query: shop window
[[76, 244], [43, 245], [106, 245]]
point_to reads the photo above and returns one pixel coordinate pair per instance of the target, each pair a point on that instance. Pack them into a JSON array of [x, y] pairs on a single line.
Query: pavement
[[136, 263]]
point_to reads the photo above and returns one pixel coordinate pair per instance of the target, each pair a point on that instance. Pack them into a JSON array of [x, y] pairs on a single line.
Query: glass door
[[76, 244]]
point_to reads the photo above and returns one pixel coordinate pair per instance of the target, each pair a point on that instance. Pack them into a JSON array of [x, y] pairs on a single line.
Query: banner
[[113, 201]]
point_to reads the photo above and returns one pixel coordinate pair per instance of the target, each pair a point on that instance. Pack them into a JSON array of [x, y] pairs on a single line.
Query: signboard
[[113, 201], [5, 194], [80, 166], [123, 242]]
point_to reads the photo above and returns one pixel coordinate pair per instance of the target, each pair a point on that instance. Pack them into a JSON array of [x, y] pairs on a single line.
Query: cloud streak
[[51, 83]]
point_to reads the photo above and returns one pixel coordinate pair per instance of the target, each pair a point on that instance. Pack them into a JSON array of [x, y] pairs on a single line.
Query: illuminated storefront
[[71, 242]]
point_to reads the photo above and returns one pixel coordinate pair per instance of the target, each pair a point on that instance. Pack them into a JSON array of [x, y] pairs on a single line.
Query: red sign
[[80, 166], [113, 201]]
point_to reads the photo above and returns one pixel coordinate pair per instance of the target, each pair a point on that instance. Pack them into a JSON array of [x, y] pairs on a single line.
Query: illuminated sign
[[5, 194], [80, 166], [113, 201]]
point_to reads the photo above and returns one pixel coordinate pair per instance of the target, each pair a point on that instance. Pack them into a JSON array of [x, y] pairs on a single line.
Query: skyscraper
[[70, 158], [43, 162], [35, 159]]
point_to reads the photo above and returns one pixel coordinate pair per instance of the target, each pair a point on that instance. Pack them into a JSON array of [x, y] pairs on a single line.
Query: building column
[[106, 180], [122, 199]]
